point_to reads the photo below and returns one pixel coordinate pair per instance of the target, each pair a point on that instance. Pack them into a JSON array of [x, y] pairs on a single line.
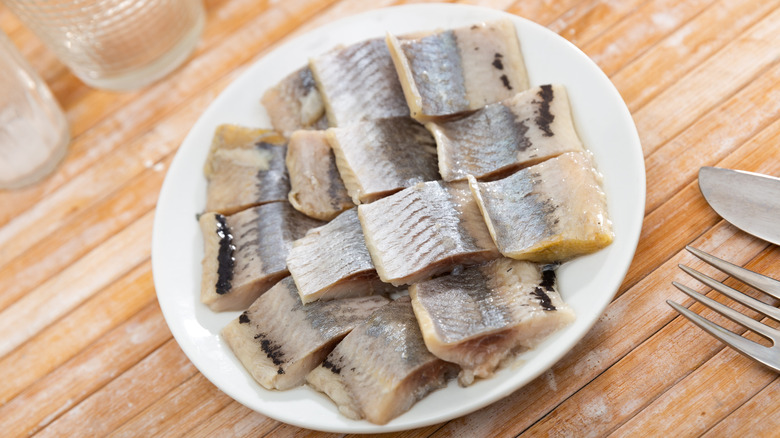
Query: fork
[[769, 356]]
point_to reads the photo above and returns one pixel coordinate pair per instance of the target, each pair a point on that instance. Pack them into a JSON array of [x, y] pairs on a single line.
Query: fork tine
[[769, 286], [734, 294], [731, 314], [745, 346]]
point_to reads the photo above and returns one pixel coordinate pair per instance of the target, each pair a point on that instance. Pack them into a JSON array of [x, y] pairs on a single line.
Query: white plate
[[587, 284]]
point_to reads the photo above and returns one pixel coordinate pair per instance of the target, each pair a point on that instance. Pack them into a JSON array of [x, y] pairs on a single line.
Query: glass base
[[153, 71], [43, 169]]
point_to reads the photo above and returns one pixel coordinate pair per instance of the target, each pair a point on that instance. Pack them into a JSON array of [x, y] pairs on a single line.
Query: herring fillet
[[245, 168], [379, 157], [425, 230], [382, 367], [279, 340], [332, 261], [244, 254], [549, 212], [479, 317], [528, 128], [316, 188], [295, 103], [359, 82], [458, 70]]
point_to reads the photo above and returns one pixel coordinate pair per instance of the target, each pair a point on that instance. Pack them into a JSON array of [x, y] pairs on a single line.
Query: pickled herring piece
[[332, 261], [359, 82], [549, 212], [481, 316], [521, 131], [316, 188], [244, 168], [379, 157], [382, 367], [279, 340], [425, 230], [244, 254], [454, 71], [295, 103]]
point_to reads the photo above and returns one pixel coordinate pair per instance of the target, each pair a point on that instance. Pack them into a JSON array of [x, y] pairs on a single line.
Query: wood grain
[[84, 347]]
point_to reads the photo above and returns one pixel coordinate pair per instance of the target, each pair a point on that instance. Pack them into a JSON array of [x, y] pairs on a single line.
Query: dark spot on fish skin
[[509, 270], [271, 349], [474, 26], [548, 278], [476, 48], [243, 319], [497, 61], [523, 142], [545, 118], [225, 260], [307, 79], [505, 81], [352, 369], [329, 365], [198, 215], [544, 299], [280, 371]]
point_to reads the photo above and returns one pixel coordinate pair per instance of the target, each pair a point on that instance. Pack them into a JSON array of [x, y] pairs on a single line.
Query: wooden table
[[84, 349]]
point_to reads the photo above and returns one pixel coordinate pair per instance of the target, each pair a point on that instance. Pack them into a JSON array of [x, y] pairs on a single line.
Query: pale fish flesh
[[479, 317], [382, 368], [295, 103], [458, 70], [359, 82], [425, 230], [332, 261], [244, 168], [552, 211], [279, 340], [526, 129], [244, 254], [316, 188], [379, 157]]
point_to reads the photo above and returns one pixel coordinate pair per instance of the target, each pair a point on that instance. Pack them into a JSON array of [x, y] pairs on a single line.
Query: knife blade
[[750, 201]]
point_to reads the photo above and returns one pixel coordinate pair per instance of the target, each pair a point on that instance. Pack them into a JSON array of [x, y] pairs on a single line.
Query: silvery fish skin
[[295, 103], [279, 340], [359, 82], [382, 367], [332, 261], [425, 230], [316, 188], [526, 129], [549, 212], [379, 157], [459, 70], [481, 316], [244, 254], [244, 168]]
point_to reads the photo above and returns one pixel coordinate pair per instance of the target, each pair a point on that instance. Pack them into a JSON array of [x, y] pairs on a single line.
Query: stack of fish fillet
[[402, 223]]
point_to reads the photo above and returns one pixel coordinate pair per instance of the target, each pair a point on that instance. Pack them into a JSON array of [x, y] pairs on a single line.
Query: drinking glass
[[115, 44], [34, 134]]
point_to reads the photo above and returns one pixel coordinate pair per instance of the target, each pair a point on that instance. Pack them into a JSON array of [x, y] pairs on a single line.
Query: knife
[[750, 201]]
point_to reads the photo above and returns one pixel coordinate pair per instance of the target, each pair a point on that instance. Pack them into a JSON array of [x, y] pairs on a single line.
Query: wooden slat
[[50, 397], [191, 403], [757, 417], [56, 344], [691, 44], [233, 421], [117, 402], [679, 105]]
